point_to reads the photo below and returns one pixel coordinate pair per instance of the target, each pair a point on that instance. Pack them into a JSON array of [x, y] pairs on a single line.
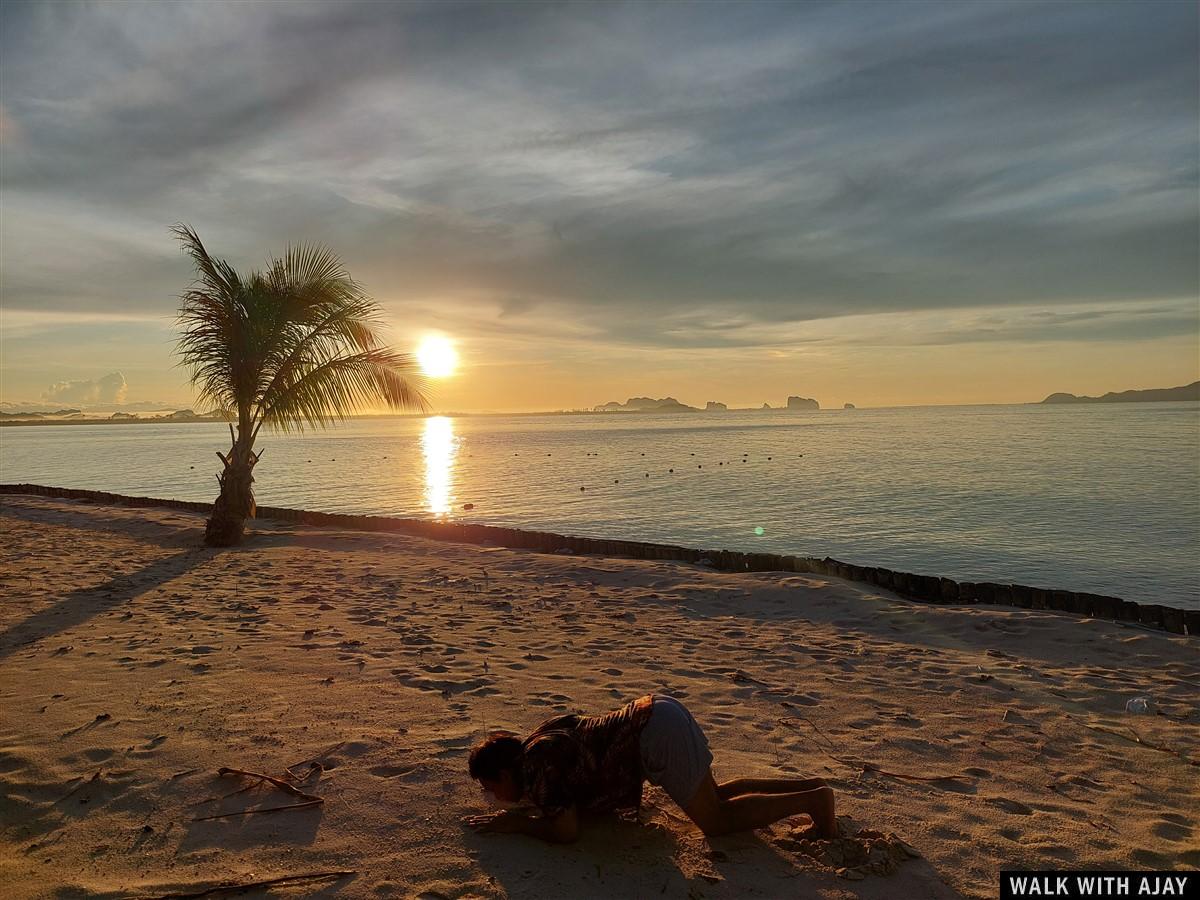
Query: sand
[[134, 663]]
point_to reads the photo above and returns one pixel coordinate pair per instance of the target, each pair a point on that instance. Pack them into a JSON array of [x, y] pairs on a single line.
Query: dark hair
[[501, 751]]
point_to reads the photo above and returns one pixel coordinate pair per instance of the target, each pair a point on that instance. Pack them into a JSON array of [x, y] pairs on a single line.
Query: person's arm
[[562, 828]]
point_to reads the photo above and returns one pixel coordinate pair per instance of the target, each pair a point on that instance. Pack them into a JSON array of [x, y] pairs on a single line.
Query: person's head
[[496, 765]]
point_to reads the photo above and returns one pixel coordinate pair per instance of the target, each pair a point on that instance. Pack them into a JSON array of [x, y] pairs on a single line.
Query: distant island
[[646, 404], [75, 417], [1154, 395], [61, 413], [671, 405]]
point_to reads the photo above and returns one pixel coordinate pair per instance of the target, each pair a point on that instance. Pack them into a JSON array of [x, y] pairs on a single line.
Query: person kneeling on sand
[[576, 764]]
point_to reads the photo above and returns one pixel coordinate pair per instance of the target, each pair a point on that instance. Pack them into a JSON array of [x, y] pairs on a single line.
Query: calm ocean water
[[1089, 498]]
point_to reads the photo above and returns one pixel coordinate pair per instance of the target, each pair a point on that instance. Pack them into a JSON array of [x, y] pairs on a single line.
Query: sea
[[1100, 498]]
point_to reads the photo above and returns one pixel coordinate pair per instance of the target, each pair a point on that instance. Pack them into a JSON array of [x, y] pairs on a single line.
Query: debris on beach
[[238, 887], [855, 853], [1138, 705], [306, 800]]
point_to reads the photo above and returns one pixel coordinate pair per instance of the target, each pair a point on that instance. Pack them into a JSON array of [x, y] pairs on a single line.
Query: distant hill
[[75, 417], [38, 413], [646, 404], [1187, 392]]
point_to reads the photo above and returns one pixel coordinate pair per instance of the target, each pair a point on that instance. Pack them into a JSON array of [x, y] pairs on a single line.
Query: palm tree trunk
[[235, 504]]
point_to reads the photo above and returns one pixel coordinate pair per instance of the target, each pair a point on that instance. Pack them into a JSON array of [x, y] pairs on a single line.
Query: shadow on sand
[[625, 858], [114, 520], [79, 606]]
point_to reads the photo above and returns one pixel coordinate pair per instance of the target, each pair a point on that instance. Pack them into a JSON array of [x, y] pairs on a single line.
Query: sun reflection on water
[[439, 447]]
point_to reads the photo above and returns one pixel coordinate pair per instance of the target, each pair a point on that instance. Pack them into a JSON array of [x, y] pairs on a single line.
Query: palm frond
[[216, 274], [337, 387], [291, 346], [309, 264]]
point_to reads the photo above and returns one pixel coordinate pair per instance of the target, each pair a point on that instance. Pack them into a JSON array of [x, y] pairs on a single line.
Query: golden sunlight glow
[[439, 447], [437, 357]]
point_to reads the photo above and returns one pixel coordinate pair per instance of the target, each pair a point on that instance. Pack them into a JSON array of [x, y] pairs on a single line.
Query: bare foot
[[821, 824]]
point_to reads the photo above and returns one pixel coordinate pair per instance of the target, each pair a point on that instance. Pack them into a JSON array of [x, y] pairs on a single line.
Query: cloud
[[109, 389], [627, 167], [10, 131], [1015, 325]]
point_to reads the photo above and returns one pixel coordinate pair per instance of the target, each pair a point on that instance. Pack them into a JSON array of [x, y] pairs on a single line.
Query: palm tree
[[295, 345]]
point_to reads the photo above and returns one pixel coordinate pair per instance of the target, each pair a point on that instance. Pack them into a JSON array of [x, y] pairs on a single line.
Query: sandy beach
[[134, 663]]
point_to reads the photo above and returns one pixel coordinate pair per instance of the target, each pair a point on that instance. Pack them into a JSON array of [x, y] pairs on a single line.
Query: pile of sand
[[856, 852]]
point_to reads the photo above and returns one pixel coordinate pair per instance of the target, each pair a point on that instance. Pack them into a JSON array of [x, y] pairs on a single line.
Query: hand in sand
[[503, 822]]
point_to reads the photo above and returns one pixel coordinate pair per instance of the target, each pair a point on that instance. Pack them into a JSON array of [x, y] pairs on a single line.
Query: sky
[[893, 203]]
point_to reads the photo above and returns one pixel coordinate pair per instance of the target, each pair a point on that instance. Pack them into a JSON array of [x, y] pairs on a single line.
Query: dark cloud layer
[[630, 166]]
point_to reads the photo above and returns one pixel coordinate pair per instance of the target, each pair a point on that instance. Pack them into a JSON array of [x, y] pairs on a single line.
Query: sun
[[437, 357]]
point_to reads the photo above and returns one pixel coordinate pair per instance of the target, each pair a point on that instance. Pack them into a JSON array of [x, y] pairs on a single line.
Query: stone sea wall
[[923, 588]]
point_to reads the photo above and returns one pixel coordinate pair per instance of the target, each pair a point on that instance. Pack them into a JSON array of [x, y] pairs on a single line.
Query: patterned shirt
[[591, 762]]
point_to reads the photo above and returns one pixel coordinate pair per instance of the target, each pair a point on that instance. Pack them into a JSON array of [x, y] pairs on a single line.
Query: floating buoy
[[583, 489]]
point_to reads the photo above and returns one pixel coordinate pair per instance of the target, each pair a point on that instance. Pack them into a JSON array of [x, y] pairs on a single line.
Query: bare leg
[[727, 790], [716, 816]]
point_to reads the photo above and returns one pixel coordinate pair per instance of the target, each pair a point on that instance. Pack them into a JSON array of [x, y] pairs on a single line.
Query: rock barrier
[[922, 588]]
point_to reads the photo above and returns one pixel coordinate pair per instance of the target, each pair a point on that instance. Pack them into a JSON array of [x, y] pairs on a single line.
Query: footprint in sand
[[1171, 830], [800, 700], [1013, 806], [97, 754]]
